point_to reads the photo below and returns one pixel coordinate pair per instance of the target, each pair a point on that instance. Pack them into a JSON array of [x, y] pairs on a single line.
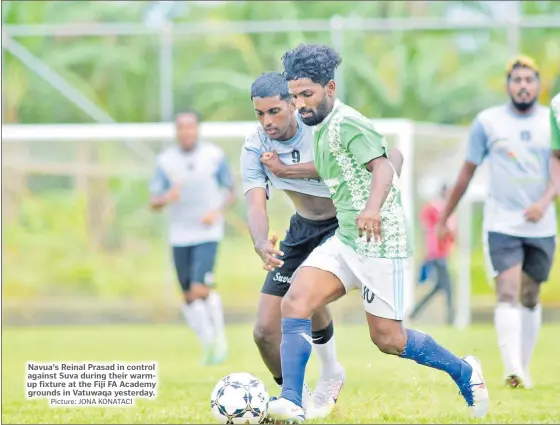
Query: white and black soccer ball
[[239, 398]]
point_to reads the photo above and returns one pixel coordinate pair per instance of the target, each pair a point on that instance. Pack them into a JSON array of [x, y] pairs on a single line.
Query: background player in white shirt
[[519, 215], [194, 181], [279, 153]]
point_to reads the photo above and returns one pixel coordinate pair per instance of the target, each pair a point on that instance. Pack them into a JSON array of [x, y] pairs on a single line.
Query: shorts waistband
[[321, 223]]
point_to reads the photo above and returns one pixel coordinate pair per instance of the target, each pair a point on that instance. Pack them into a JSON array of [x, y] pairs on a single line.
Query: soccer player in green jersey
[[370, 250], [555, 142]]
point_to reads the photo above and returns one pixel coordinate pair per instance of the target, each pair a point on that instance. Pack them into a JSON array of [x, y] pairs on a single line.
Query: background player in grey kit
[[279, 152], [194, 180], [519, 216]]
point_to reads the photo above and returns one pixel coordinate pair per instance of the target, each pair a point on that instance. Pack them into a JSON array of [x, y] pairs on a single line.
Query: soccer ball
[[239, 398]]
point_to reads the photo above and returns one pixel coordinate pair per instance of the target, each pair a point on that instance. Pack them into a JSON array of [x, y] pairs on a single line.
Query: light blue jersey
[[518, 152], [299, 149], [203, 173]]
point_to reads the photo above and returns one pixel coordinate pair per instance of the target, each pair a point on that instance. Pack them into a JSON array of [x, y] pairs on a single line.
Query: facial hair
[[523, 106], [318, 115]]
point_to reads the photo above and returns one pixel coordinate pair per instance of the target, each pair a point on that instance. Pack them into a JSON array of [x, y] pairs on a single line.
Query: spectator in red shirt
[[437, 254]]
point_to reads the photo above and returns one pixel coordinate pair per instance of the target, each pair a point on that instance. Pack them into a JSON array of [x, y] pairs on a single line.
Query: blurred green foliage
[[443, 76], [425, 75]]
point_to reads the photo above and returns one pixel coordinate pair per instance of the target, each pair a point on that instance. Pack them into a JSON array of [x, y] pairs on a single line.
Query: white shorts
[[380, 280]]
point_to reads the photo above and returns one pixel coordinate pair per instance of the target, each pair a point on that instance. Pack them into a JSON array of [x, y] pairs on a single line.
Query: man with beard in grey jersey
[[520, 222], [278, 152]]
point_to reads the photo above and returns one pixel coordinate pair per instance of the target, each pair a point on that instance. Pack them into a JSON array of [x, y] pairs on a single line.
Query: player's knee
[[296, 305], [263, 334], [508, 297], [508, 293], [199, 290], [388, 343], [530, 296]]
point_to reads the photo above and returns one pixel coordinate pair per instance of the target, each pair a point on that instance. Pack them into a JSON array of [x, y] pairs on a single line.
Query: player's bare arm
[[536, 211], [157, 202], [457, 192], [211, 216], [257, 214], [304, 170], [369, 220], [397, 159]]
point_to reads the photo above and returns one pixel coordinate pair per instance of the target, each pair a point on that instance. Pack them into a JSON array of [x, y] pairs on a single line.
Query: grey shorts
[[195, 264], [536, 255]]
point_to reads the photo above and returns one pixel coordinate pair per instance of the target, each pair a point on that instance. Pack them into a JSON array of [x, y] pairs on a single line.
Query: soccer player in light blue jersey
[[278, 153], [193, 180], [519, 215]]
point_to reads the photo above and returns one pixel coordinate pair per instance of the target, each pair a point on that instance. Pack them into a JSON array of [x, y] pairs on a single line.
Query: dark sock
[[324, 335]]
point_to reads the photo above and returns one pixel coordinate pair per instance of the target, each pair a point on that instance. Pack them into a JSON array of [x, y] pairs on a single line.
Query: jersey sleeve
[[477, 146], [362, 141], [554, 130], [159, 184], [252, 170], [224, 174]]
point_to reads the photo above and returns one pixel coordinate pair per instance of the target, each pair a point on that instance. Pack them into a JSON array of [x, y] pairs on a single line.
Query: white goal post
[[400, 131]]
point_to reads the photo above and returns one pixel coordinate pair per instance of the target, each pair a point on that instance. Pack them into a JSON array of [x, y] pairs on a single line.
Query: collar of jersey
[[336, 105], [193, 151], [284, 146]]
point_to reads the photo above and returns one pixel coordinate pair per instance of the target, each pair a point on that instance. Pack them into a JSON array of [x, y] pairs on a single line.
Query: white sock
[[197, 318], [330, 367], [507, 320], [216, 314], [530, 325]]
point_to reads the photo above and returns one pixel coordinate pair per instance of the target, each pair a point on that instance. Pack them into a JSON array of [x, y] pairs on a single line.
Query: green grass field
[[380, 389]]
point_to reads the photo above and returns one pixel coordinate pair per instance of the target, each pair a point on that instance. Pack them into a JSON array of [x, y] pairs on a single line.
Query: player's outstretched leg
[[311, 289], [391, 338]]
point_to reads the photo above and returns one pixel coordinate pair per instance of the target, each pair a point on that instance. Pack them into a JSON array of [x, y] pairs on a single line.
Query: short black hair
[[270, 84], [188, 112], [314, 61]]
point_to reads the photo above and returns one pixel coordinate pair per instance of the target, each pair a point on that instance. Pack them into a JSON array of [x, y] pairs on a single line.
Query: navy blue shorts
[[195, 264], [302, 237]]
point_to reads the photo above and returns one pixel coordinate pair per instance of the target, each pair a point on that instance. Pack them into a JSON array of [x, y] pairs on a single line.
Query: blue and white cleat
[[285, 411], [476, 396]]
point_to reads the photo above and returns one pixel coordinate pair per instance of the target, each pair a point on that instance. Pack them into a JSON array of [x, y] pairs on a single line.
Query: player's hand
[[273, 163], [534, 213], [268, 252], [210, 217], [443, 232], [173, 194], [369, 224]]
